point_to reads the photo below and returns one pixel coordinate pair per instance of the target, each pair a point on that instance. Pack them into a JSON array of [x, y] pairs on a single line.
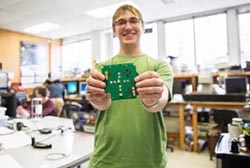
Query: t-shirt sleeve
[[166, 75]]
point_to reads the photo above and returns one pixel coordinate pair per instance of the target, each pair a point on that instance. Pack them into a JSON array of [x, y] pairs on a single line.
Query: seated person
[[49, 107], [57, 92]]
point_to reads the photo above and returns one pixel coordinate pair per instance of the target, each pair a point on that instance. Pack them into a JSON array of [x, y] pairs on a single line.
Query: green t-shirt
[[128, 136]]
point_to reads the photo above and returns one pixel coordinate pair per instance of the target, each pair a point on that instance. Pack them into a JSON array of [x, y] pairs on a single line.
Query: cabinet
[[227, 159]]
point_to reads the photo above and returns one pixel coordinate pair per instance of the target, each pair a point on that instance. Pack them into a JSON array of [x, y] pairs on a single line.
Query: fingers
[[99, 101], [149, 85], [98, 96], [151, 96], [97, 75], [152, 82], [94, 97], [150, 90], [95, 85], [146, 75], [95, 82], [148, 79], [95, 91]]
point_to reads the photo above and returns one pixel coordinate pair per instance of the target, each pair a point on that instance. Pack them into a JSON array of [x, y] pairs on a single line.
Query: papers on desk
[[53, 122], [177, 98], [8, 161], [13, 139], [17, 145], [5, 131]]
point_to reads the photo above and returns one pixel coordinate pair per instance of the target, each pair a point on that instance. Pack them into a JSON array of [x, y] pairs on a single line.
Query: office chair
[[169, 147], [86, 106], [69, 109], [223, 117]]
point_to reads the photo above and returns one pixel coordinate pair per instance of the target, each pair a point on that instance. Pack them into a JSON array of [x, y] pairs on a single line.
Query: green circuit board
[[119, 80]]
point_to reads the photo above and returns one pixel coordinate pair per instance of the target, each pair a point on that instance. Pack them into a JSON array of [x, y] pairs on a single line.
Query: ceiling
[[16, 15]]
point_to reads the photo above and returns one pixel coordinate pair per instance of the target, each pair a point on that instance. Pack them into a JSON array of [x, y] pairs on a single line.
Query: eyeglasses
[[131, 21]]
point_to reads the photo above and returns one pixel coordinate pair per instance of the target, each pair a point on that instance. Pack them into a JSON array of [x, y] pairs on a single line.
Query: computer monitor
[[236, 85], [179, 86], [72, 87], [82, 88], [9, 101], [205, 80]]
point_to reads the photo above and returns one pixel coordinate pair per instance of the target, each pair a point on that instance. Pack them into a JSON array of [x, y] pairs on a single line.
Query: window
[[179, 43], [211, 41], [244, 28], [69, 54], [77, 57], [199, 42], [85, 55]]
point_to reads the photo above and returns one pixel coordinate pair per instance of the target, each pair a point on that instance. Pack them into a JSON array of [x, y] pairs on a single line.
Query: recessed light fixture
[[43, 27], [106, 11]]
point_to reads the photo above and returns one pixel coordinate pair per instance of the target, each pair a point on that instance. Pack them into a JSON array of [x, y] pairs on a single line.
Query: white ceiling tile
[[55, 15], [6, 17], [70, 14], [5, 3], [30, 7]]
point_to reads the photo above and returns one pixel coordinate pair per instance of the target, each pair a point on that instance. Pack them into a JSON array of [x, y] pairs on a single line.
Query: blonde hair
[[126, 8]]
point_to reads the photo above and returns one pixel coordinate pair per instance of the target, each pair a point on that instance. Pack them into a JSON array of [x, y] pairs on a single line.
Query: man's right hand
[[96, 91]]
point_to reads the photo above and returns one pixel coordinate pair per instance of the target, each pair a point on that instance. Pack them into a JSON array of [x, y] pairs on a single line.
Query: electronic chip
[[119, 80]]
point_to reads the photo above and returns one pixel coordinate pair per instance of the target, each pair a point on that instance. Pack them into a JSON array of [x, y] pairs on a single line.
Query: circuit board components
[[120, 80]]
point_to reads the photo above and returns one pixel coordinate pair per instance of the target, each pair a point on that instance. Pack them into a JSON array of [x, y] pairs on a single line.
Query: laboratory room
[[125, 84]]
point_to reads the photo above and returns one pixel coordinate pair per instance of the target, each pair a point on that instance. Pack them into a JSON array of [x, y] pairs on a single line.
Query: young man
[[131, 133]]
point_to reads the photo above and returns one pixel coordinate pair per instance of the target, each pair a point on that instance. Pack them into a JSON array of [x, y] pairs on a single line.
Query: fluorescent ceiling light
[[106, 11], [43, 27]]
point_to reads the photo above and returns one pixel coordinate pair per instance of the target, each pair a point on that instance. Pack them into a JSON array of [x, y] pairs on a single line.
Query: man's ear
[[114, 32]]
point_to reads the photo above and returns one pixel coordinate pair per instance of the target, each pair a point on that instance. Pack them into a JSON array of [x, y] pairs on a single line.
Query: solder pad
[[119, 80]]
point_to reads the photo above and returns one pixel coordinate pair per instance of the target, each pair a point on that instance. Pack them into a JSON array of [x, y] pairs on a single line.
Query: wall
[[10, 50], [55, 55]]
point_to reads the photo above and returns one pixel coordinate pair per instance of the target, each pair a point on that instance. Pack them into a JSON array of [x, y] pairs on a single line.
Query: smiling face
[[128, 25]]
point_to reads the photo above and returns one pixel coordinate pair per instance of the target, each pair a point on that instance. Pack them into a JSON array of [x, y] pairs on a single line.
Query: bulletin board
[[34, 63]]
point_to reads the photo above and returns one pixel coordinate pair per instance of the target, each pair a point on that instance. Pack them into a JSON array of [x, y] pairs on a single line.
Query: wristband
[[153, 105]]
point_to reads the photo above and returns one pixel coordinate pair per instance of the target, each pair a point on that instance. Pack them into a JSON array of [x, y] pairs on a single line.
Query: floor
[[178, 159], [186, 159]]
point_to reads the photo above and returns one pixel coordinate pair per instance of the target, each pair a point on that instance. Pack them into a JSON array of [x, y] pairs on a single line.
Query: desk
[[203, 104], [180, 106], [191, 77], [73, 99], [197, 104], [227, 159], [77, 147]]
